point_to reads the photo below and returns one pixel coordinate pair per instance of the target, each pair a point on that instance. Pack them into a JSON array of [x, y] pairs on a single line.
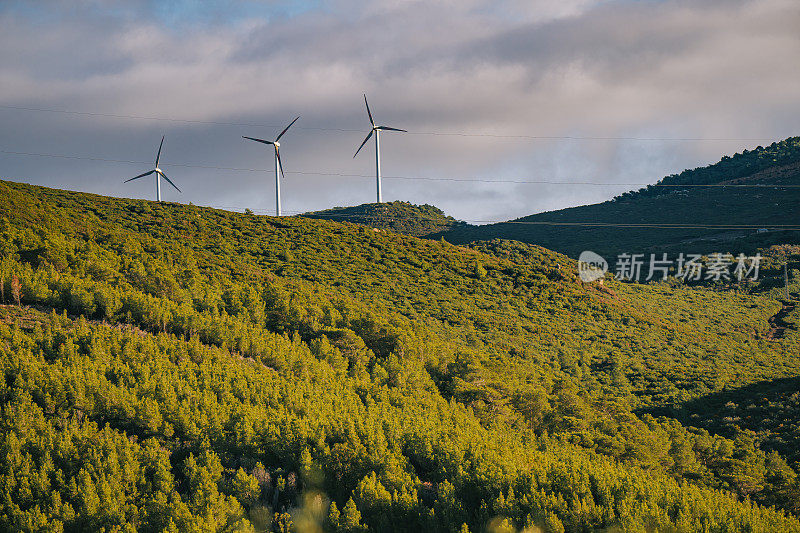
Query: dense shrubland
[[180, 368], [402, 217]]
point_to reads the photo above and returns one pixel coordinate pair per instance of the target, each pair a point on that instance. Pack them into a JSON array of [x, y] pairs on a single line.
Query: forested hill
[[667, 204], [402, 217], [176, 368]]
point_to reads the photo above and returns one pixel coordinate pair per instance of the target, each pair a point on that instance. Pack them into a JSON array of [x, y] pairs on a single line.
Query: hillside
[[173, 367], [401, 217], [668, 203]]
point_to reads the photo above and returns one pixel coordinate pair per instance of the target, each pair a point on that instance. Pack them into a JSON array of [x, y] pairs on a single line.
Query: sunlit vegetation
[[177, 368]]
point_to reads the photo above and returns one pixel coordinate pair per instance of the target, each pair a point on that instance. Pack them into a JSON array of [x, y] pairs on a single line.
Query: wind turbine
[[278, 164], [158, 172], [377, 131]]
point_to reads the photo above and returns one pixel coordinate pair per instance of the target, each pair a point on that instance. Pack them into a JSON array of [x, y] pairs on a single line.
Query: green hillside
[[402, 217], [668, 203], [177, 368]]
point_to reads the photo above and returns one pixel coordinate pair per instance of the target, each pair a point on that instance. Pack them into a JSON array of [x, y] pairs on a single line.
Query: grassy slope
[[778, 163], [496, 327]]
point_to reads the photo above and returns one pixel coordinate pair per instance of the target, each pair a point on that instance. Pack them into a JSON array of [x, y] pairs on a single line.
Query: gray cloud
[[584, 68]]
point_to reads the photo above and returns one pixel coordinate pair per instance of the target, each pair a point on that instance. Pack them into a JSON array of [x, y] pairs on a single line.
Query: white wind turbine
[[158, 172], [278, 164], [377, 131]]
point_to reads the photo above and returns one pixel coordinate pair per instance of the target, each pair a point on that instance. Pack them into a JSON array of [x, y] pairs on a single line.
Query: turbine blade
[[139, 176], [258, 140], [391, 129], [286, 128], [368, 111], [158, 157], [365, 142], [170, 181], [280, 163]]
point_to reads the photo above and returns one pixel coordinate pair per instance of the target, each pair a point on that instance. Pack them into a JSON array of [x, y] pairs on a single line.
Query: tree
[[245, 487], [351, 517], [16, 287], [552, 524], [333, 516]]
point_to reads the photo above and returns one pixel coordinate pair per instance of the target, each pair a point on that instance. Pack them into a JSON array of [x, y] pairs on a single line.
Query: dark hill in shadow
[[756, 188], [400, 217], [769, 408]]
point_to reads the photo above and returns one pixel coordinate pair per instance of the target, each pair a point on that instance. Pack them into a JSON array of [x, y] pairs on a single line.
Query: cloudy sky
[[570, 91]]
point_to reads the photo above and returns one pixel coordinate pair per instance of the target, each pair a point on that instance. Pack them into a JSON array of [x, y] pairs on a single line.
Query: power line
[[646, 225], [621, 224], [588, 224], [423, 178], [139, 117], [361, 130], [86, 158]]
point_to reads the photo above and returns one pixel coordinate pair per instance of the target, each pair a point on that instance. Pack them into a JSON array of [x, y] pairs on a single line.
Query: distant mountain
[[676, 200], [401, 217]]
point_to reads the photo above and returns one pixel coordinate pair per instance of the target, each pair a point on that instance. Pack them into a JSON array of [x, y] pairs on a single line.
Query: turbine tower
[[377, 131], [158, 172], [278, 164]]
